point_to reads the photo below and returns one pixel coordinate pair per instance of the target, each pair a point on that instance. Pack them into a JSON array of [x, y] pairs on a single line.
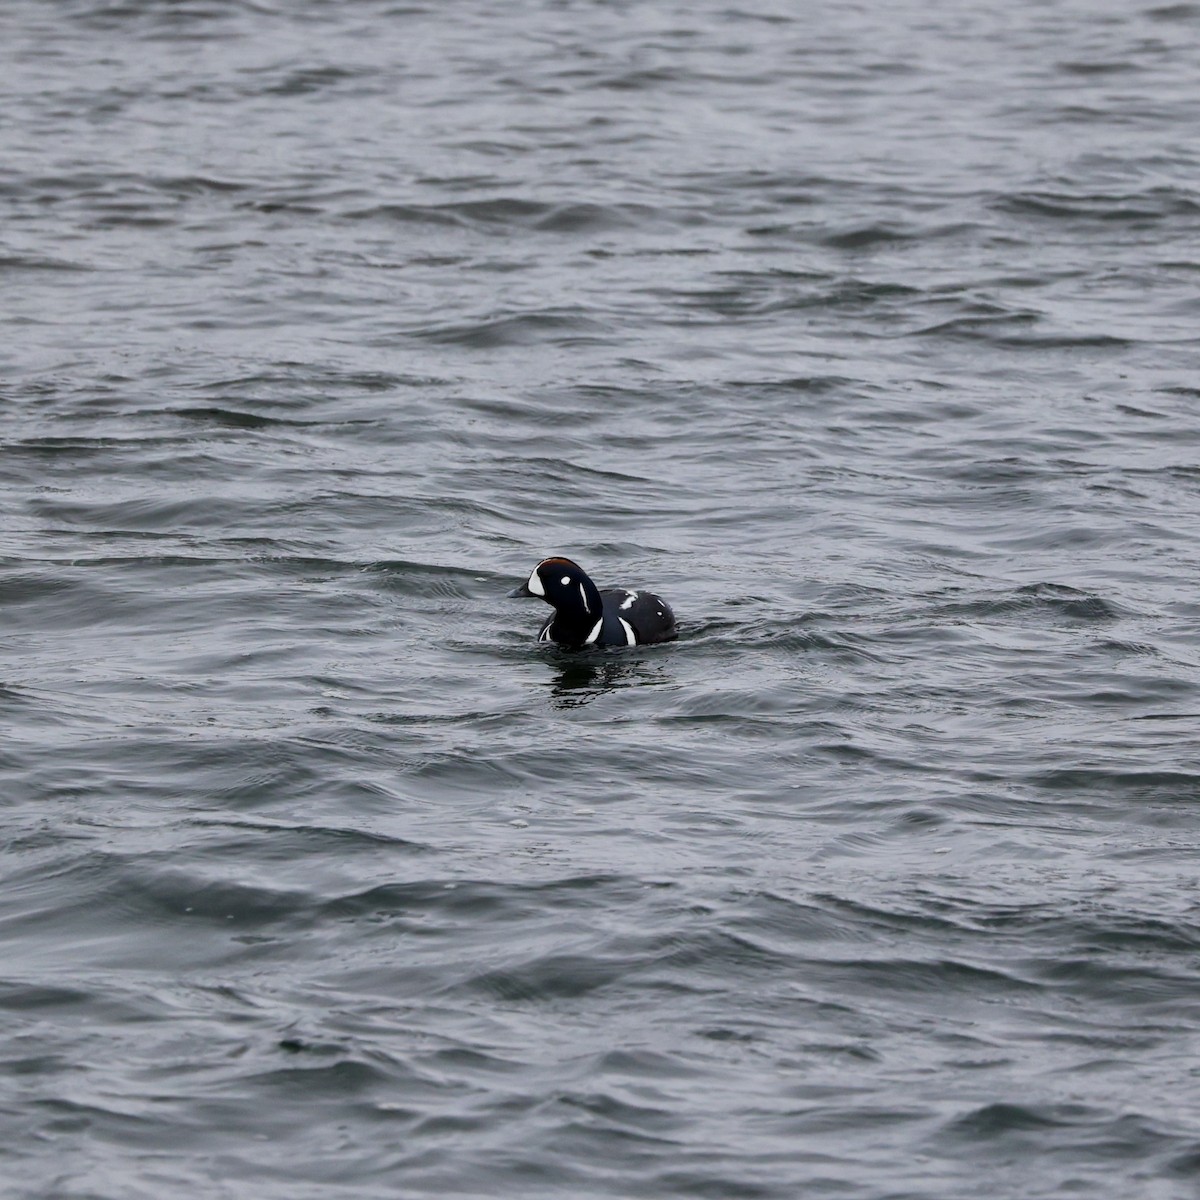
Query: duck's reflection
[[578, 681]]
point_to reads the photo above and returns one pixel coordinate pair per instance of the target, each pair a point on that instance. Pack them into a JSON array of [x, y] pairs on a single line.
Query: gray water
[[867, 335]]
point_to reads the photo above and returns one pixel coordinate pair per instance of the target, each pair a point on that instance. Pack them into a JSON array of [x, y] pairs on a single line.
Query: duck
[[586, 616]]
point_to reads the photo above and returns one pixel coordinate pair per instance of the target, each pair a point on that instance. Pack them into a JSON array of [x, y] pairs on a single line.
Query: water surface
[[866, 335]]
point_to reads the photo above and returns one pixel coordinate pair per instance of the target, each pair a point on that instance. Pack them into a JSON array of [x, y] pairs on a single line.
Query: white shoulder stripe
[[591, 637], [630, 636]]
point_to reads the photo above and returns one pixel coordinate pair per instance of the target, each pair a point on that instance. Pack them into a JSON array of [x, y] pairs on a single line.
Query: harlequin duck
[[586, 616]]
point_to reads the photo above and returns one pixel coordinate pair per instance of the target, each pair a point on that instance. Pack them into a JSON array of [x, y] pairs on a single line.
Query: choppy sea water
[[867, 335]]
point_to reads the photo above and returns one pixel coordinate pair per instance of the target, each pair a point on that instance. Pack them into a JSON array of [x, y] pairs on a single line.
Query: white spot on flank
[[535, 583], [630, 636], [630, 597]]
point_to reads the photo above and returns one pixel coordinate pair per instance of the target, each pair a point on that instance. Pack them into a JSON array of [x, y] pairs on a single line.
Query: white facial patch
[[630, 597], [535, 584]]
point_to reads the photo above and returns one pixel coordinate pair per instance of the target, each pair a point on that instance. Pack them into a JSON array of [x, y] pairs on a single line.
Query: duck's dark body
[[629, 618], [586, 616]]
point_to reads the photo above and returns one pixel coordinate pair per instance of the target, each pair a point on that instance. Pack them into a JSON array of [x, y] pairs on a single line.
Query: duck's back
[[635, 619]]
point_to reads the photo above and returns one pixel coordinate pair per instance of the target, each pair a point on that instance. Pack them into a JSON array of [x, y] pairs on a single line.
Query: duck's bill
[[521, 592]]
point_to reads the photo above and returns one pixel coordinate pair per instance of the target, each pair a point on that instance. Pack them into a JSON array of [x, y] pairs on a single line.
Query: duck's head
[[564, 585]]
